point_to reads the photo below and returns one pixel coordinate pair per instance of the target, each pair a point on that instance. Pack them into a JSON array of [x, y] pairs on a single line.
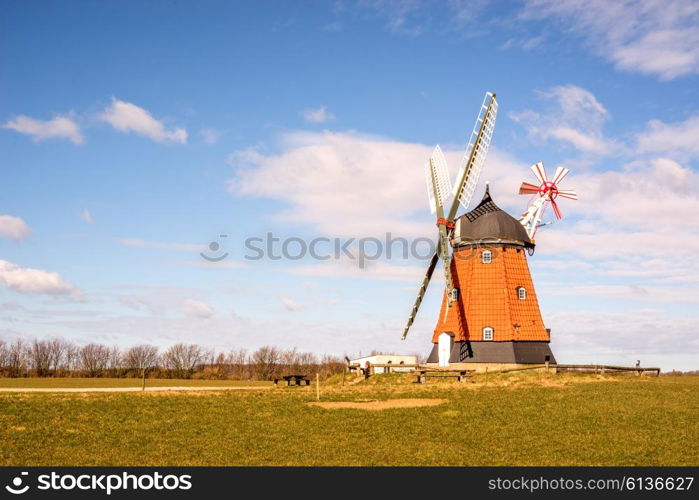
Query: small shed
[[386, 359]]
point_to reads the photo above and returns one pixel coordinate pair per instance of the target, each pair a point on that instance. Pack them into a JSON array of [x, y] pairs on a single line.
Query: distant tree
[[40, 357], [141, 358], [115, 362], [329, 365], [238, 361], [289, 360], [58, 349], [17, 358], [4, 354], [181, 359], [265, 362], [94, 359], [71, 358]]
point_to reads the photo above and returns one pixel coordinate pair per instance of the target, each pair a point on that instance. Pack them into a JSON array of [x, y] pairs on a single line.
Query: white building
[[386, 359]]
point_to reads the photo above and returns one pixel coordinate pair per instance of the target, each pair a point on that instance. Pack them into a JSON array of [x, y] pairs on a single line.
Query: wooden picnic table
[[297, 380], [423, 373]]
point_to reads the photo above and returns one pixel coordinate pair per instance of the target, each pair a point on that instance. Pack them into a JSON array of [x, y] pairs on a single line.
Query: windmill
[[546, 192], [438, 187]]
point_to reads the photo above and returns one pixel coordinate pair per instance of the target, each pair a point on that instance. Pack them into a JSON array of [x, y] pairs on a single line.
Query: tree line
[[58, 357]]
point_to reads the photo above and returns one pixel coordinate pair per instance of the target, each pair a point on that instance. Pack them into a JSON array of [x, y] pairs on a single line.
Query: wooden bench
[[296, 380], [460, 375]]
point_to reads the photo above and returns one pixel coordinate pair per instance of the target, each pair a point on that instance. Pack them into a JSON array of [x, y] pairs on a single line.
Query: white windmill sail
[[437, 180], [476, 151]]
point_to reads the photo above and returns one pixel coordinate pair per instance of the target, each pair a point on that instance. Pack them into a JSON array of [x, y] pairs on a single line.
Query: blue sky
[[134, 133]]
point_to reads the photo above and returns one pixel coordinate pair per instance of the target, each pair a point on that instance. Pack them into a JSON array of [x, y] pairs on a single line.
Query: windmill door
[[444, 349]]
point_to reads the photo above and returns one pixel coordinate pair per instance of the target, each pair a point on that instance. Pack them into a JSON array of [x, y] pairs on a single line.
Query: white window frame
[[521, 293], [488, 333], [487, 257]]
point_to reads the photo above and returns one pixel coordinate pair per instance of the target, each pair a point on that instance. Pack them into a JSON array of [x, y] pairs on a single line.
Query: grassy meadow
[[87, 383], [513, 419]]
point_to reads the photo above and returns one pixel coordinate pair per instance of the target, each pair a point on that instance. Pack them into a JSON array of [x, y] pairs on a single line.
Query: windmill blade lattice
[[437, 180], [476, 151]]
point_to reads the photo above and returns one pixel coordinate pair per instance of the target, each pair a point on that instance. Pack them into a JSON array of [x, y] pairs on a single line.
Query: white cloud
[[644, 36], [524, 44], [373, 270], [654, 336], [341, 183], [13, 228], [197, 309], [678, 139], [289, 304], [351, 185], [135, 242], [34, 281], [86, 216], [574, 116], [412, 17], [60, 127], [402, 16], [210, 136], [317, 115], [659, 196], [127, 117]]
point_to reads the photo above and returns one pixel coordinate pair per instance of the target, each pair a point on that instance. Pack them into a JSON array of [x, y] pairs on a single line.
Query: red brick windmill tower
[[490, 313]]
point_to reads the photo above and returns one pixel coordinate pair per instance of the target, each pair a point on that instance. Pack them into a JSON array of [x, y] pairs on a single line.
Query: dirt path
[[133, 389]]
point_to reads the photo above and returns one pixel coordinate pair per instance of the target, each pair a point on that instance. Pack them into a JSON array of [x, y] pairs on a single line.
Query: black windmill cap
[[486, 206], [487, 221]]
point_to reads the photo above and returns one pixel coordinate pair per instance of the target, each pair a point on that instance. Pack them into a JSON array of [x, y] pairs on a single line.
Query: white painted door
[[444, 349]]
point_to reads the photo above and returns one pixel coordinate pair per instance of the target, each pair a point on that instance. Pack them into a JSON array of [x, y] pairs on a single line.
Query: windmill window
[[487, 333], [486, 257], [521, 293]]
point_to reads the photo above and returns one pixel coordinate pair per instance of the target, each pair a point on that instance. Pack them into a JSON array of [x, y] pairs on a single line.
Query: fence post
[[317, 386]]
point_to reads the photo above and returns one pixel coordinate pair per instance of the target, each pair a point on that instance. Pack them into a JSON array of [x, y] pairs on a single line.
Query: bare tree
[[40, 357], [59, 356], [181, 359], [17, 358], [289, 360], [264, 362], [71, 358], [115, 360], [94, 359], [141, 358], [308, 362], [238, 361], [4, 355], [57, 352], [220, 367]]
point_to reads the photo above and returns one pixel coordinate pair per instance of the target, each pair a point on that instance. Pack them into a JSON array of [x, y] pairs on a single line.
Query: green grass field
[[517, 419], [68, 382]]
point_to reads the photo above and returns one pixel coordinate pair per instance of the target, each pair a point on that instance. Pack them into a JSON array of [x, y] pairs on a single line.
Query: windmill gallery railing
[[610, 368]]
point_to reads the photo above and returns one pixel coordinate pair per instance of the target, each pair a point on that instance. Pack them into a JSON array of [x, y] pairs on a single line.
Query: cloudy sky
[[134, 134]]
